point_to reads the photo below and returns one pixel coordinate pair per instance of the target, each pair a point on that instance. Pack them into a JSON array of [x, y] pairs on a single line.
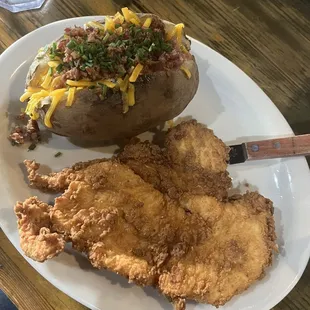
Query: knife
[[267, 149]]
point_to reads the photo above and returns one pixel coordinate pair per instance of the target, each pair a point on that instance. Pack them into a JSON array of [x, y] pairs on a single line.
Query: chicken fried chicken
[[56, 181], [158, 217], [233, 256], [194, 160], [34, 225]]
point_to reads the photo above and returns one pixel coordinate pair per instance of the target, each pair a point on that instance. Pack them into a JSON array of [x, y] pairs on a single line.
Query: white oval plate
[[229, 102]]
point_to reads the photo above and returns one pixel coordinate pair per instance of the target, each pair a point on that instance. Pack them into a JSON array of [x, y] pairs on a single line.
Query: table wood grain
[[269, 40]]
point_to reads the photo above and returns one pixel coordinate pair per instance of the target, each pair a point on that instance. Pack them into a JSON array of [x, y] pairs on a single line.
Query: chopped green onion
[[59, 68], [31, 147], [106, 37], [54, 47], [134, 45], [71, 44], [50, 71]]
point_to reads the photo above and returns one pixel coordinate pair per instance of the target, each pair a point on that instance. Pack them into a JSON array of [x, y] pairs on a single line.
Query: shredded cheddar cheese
[[70, 97], [84, 83], [25, 96], [183, 49], [56, 95], [108, 83], [53, 64], [119, 82], [109, 24], [81, 83], [126, 14], [47, 81], [186, 71], [135, 73], [41, 94], [134, 15], [124, 85], [29, 105], [147, 22], [134, 21], [34, 89], [31, 108], [170, 34], [130, 16], [178, 32], [96, 25], [119, 18], [131, 95]]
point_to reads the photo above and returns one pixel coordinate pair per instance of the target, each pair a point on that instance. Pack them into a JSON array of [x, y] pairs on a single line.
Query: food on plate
[[189, 245], [193, 160], [26, 130], [112, 79]]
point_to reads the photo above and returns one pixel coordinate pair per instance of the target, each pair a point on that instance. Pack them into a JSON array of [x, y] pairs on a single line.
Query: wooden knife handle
[[276, 148]]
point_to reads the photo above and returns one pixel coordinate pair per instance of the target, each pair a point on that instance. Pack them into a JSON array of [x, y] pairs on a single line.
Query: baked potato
[[112, 79]]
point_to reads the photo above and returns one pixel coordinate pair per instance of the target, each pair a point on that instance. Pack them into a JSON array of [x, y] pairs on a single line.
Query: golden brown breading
[[193, 161], [123, 223], [192, 146], [56, 181], [161, 217], [194, 248], [234, 255], [34, 225]]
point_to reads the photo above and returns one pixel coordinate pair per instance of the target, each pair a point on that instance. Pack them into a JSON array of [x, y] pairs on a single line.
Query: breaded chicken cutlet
[[193, 161], [188, 244]]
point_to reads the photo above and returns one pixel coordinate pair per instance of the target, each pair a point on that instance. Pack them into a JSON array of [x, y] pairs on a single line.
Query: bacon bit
[[21, 116], [16, 138], [22, 134]]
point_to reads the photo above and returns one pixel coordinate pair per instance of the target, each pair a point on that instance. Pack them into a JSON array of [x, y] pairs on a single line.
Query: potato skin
[[159, 97]]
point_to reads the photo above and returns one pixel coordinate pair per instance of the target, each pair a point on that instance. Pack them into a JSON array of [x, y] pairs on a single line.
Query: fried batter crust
[[193, 161], [157, 216]]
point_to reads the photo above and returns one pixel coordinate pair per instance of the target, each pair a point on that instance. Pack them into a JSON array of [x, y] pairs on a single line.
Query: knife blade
[[267, 149]]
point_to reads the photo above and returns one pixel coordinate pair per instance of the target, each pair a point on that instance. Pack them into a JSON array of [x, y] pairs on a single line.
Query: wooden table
[[269, 40]]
